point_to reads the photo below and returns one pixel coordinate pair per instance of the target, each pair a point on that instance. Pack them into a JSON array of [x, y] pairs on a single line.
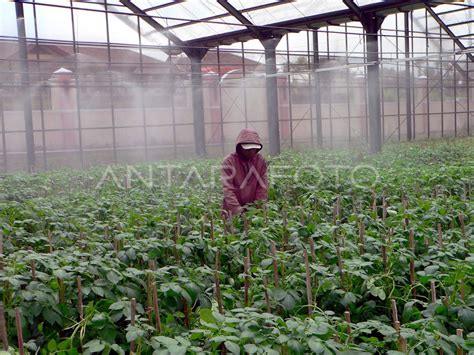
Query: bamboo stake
[[440, 236], [211, 220], [433, 291], [459, 350], [461, 290], [3, 328], [133, 311], [374, 201], [285, 229], [217, 283], [309, 295], [361, 238], [339, 265], [61, 291], [1, 250], [394, 313], [402, 342], [19, 331], [156, 309], [246, 280], [412, 262], [313, 259], [384, 255], [32, 265], [461, 222], [186, 313], [347, 316], [80, 306], [384, 209], [267, 299], [275, 265], [50, 241]]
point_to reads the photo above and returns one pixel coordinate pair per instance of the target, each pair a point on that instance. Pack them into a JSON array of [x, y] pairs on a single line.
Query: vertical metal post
[[366, 76], [455, 84], [290, 111], [4, 143], [329, 91], [78, 97], [427, 76], [310, 84], [317, 90], [373, 77], [441, 80], [244, 72], [382, 93], [173, 111], [408, 77], [40, 89], [468, 93], [272, 94], [348, 91], [142, 91], [412, 72], [109, 65], [25, 84], [196, 55], [398, 76], [219, 73]]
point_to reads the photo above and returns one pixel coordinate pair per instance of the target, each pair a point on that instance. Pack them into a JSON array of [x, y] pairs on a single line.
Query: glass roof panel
[[7, 19], [246, 4], [293, 10], [204, 29], [456, 17], [366, 2]]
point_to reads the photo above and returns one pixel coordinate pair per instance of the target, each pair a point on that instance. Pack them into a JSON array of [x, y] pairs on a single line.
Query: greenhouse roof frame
[[253, 30]]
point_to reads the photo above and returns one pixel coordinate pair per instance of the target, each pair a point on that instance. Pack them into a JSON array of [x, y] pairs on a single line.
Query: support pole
[[25, 84], [196, 55], [408, 76], [272, 94], [317, 91], [372, 27]]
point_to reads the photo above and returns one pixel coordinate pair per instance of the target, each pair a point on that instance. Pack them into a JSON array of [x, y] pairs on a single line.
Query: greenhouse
[[236, 176]]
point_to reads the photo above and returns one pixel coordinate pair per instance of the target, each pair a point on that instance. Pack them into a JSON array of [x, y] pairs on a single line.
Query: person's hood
[[247, 136]]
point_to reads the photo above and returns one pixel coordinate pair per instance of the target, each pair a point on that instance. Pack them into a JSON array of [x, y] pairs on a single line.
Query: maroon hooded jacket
[[244, 181]]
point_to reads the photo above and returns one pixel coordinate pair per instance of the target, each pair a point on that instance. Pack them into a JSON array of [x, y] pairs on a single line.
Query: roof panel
[[246, 4], [203, 29], [293, 10]]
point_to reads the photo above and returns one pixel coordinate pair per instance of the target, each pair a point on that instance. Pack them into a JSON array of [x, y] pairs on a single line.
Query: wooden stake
[[33, 266], [19, 331], [1, 250], [309, 295], [187, 322], [133, 312], [461, 222], [3, 328], [361, 238], [440, 236], [384, 209], [61, 291], [374, 201], [402, 342], [394, 313], [275, 265], [211, 220], [347, 316], [285, 229], [217, 284], [246, 280], [339, 265], [80, 306], [411, 241], [461, 290], [433, 291], [459, 350], [267, 299], [156, 309], [384, 255], [50, 241]]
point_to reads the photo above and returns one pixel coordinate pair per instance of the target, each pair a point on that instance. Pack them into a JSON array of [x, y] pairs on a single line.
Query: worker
[[244, 174]]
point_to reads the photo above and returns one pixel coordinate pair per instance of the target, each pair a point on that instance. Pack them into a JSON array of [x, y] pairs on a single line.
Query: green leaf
[[165, 340], [95, 346], [206, 316], [348, 298], [232, 347], [113, 277], [52, 346], [316, 346], [117, 305], [250, 348]]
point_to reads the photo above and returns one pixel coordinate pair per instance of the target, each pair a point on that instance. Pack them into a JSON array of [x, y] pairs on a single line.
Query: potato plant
[[352, 253]]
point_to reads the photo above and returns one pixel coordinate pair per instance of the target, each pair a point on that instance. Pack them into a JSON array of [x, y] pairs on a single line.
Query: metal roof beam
[[148, 19], [448, 31], [242, 19]]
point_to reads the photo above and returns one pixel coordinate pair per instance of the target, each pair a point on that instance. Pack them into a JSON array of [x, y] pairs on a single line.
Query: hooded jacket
[[244, 181]]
